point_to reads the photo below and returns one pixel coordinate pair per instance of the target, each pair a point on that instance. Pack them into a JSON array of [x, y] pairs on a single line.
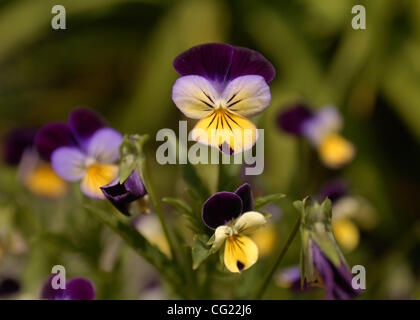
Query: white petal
[[249, 222], [220, 235]]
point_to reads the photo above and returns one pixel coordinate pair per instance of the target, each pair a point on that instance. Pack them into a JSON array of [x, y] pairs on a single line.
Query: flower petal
[[245, 193], [16, 142], [247, 95], [194, 96], [226, 130], [121, 195], [337, 280], [249, 222], [220, 235], [346, 233], [83, 124], [51, 137], [221, 208], [104, 145], [69, 163], [336, 151], [292, 119], [325, 121], [240, 253], [43, 181], [98, 175], [79, 289], [211, 60], [249, 62], [49, 293]]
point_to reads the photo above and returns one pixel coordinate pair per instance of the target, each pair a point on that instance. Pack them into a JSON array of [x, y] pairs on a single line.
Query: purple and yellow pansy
[[222, 85], [83, 149], [232, 217], [321, 129], [34, 173]]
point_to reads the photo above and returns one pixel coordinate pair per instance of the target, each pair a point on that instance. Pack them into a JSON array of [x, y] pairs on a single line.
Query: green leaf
[[200, 250], [137, 241], [178, 203], [262, 201], [193, 180]]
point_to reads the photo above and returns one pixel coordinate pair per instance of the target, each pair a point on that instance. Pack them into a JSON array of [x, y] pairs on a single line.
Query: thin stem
[[267, 279], [156, 204]]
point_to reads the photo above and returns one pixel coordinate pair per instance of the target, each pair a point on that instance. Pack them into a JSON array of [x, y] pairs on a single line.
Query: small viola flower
[[121, 195], [221, 85], [82, 150], [322, 263], [35, 174], [231, 216], [321, 129], [76, 289], [349, 214]]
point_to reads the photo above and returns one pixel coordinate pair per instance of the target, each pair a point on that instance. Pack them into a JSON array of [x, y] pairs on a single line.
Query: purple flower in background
[[337, 280], [321, 129], [222, 85], [334, 190], [121, 195], [35, 174], [290, 278], [83, 149], [76, 289], [8, 287]]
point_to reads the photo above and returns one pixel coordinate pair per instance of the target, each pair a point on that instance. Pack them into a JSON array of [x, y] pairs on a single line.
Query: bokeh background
[[116, 57]]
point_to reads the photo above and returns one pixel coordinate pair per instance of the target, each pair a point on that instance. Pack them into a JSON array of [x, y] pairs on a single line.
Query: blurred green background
[[116, 57]]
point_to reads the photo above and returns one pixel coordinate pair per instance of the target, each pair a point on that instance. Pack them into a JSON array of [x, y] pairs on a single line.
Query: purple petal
[[51, 137], [326, 120], [249, 62], [49, 293], [121, 195], [8, 287], [290, 278], [292, 119], [221, 208], [337, 280], [245, 193], [69, 163], [211, 60], [334, 190], [83, 124], [104, 145], [79, 289], [16, 142]]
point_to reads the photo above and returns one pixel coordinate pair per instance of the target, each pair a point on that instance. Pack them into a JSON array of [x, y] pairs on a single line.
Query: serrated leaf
[[200, 250], [262, 201]]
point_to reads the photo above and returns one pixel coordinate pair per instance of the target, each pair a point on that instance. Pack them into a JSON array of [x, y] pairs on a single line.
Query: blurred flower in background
[[34, 173], [321, 129], [84, 149], [75, 289]]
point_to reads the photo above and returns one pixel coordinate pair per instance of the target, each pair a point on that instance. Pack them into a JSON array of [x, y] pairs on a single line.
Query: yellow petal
[[97, 176], [265, 239], [346, 233], [240, 253], [225, 129], [335, 151], [43, 181]]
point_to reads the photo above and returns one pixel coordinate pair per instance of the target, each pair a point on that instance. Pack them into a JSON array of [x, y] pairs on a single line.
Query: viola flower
[[83, 149], [321, 129], [75, 289], [322, 263], [35, 174], [221, 85], [231, 216], [121, 195], [349, 214]]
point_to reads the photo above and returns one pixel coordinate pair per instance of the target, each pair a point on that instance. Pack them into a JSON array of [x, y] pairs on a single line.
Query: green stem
[[268, 277], [156, 204]]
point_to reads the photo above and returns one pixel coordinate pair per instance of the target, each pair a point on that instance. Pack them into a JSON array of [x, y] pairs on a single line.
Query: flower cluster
[[321, 129]]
